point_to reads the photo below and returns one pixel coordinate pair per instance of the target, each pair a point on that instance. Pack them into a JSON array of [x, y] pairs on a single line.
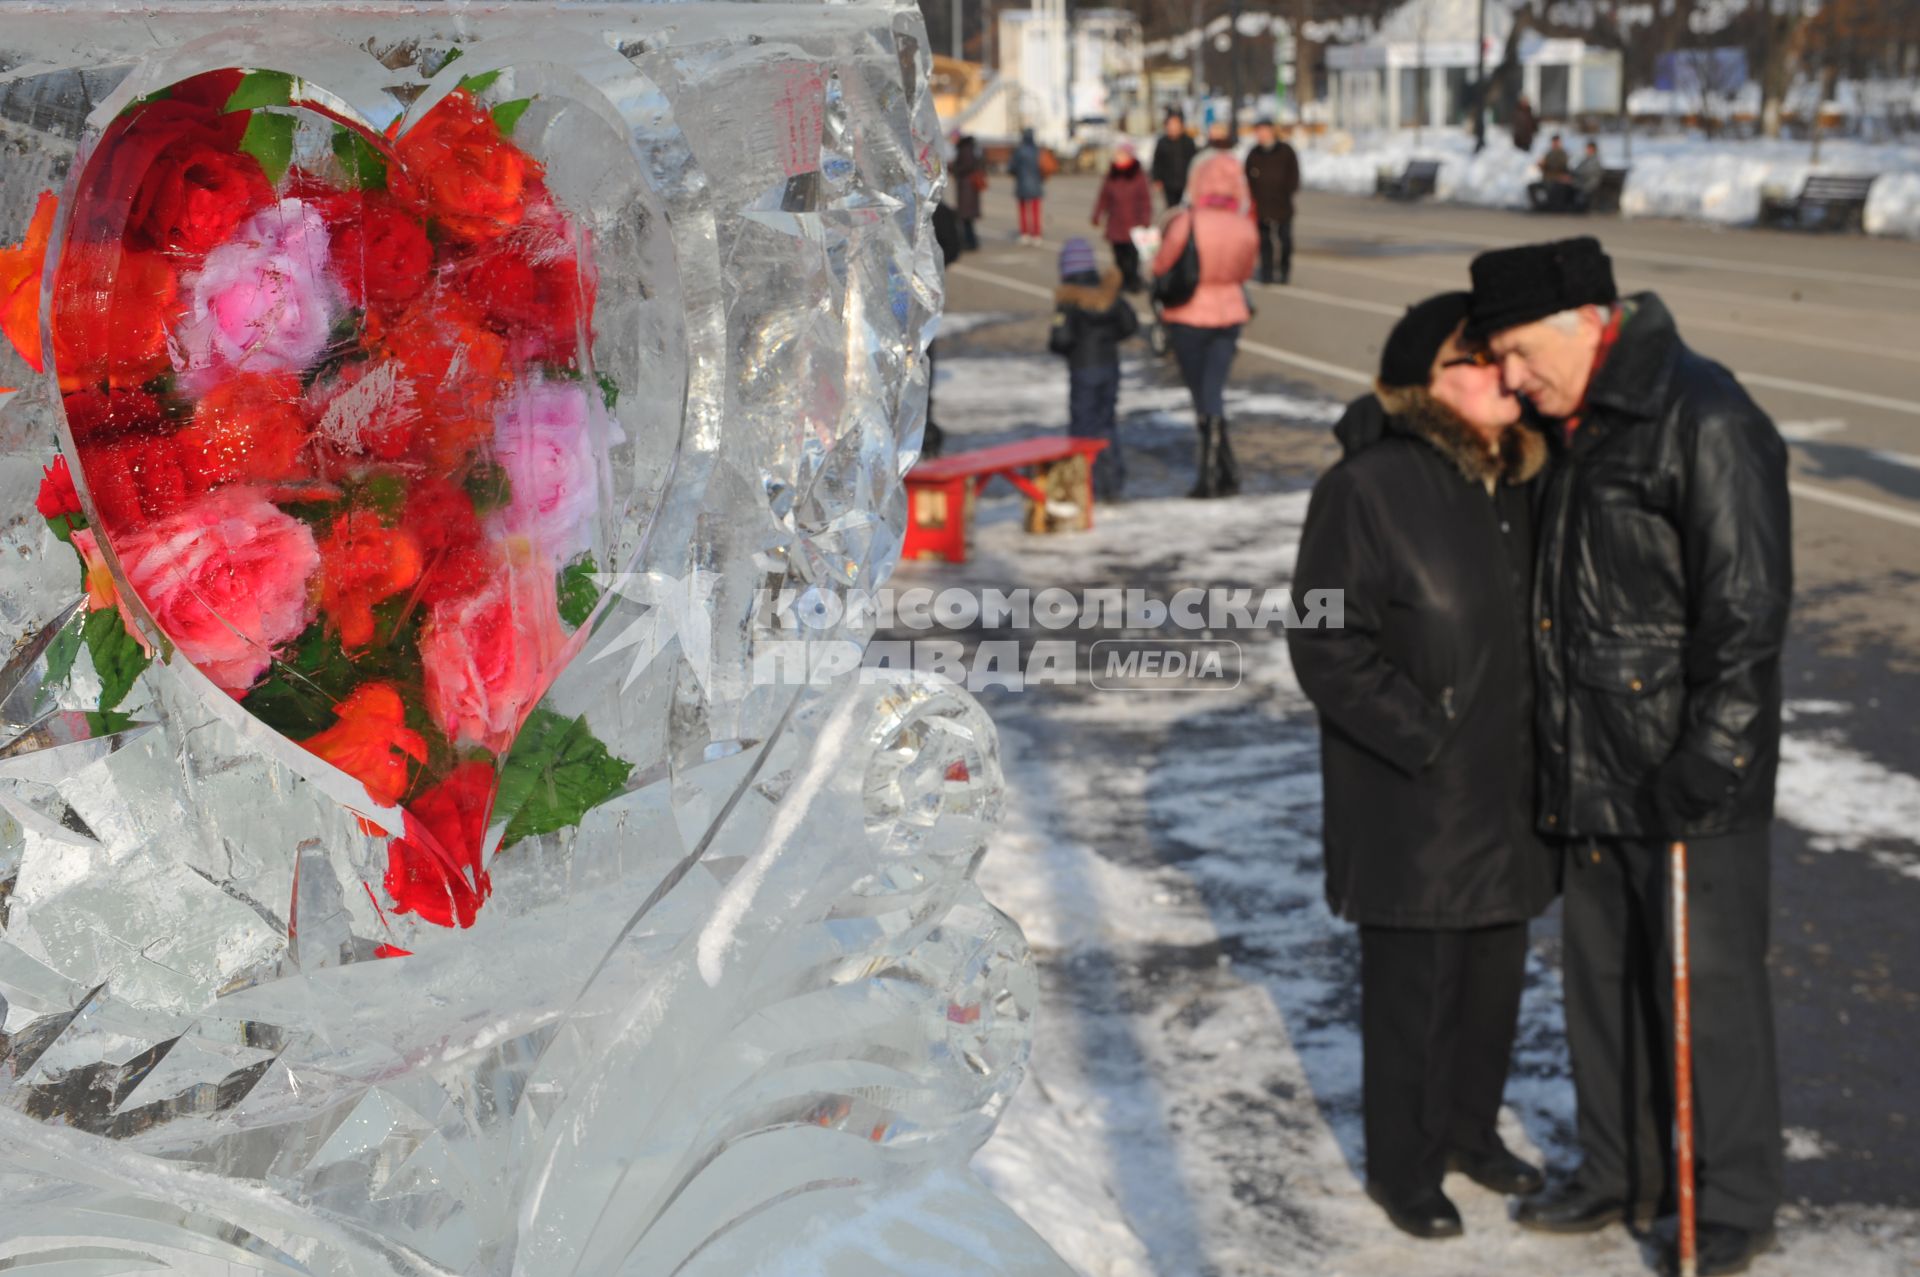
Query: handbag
[[1177, 286]]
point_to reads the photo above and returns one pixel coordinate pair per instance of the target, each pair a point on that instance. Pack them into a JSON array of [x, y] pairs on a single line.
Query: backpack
[[1178, 285]]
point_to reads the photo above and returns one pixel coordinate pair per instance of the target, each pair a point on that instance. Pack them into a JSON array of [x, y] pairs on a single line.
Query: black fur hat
[[1514, 286], [1407, 359]]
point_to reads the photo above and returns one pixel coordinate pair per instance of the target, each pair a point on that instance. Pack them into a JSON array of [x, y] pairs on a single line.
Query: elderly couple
[[1563, 540]]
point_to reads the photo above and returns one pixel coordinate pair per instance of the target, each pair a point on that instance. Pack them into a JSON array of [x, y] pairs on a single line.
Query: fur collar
[[1523, 452], [1091, 298]]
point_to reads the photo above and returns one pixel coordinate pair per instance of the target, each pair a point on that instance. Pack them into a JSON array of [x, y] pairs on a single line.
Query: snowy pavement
[[1192, 1108]]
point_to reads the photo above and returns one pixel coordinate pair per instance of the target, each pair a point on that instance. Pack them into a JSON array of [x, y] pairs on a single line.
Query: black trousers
[[1619, 995], [1437, 1017], [1276, 234], [1127, 258]]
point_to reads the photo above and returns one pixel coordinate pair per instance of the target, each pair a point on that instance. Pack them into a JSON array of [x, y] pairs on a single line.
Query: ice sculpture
[[404, 868]]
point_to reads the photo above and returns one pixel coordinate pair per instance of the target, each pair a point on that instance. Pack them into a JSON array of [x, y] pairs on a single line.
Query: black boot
[[1722, 1250], [1205, 476], [1226, 470], [1572, 1207], [1499, 1171], [1427, 1215]]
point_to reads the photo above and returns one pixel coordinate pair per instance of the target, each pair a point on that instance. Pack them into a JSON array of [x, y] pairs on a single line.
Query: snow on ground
[[1192, 1108], [1686, 177]]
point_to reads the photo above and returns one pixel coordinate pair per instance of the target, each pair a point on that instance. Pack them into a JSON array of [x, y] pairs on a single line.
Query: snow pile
[[1686, 177]]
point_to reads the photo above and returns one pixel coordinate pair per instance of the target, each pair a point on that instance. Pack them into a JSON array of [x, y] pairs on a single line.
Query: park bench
[[1827, 202], [1418, 180], [1055, 473], [1606, 197]]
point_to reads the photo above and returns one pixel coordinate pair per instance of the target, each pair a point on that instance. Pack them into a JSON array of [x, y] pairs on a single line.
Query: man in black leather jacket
[[1663, 580]]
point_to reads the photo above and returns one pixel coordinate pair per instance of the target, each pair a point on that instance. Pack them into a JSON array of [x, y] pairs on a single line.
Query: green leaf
[[300, 690], [63, 525], [508, 114], [578, 592], [262, 88], [106, 722], [269, 139], [365, 167], [385, 493], [61, 654], [608, 391], [478, 84], [118, 657], [487, 483], [557, 773]]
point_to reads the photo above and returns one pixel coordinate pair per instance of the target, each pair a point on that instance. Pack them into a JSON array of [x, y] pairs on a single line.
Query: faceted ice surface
[[750, 1015]]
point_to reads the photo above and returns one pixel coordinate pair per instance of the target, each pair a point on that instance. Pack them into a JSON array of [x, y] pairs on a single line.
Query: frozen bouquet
[[338, 444]]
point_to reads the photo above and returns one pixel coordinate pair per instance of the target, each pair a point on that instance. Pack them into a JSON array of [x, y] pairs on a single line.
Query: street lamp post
[[1479, 83], [1233, 73]]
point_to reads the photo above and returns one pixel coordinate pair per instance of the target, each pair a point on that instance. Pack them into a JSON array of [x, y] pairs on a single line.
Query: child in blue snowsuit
[[1090, 320]]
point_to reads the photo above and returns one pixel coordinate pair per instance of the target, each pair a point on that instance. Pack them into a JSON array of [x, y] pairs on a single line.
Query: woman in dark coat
[[969, 174], [1425, 695], [1125, 205]]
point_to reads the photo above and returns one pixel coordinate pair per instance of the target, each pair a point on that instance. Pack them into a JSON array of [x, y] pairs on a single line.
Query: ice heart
[[331, 401]]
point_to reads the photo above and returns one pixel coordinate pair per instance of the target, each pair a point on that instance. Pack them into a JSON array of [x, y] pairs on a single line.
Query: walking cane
[[1682, 1061]]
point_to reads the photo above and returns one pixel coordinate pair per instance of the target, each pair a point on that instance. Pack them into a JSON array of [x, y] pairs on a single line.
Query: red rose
[[457, 169], [382, 255], [370, 741], [136, 480], [248, 428], [20, 267], [57, 495], [455, 368], [363, 562], [441, 514], [99, 416], [110, 313], [535, 306], [435, 869], [174, 166]]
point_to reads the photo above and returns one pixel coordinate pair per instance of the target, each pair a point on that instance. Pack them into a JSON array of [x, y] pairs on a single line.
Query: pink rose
[[488, 655], [544, 437], [264, 301], [226, 579]]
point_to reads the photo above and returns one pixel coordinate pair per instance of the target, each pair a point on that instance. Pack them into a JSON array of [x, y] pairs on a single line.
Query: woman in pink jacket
[[1205, 329]]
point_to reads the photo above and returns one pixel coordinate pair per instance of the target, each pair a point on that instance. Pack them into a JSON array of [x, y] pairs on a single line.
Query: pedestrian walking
[[1204, 329], [1173, 159], [1029, 186], [969, 173], [1663, 581], [1525, 125], [1273, 175], [1125, 205], [1425, 696], [1090, 320]]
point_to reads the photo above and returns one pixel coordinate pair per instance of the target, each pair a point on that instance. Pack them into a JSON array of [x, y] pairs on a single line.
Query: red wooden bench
[[940, 493]]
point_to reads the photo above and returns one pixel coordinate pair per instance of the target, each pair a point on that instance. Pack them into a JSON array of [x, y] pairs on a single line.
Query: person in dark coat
[[1090, 320], [1172, 158], [1273, 173], [1661, 595], [1425, 695], [1029, 186], [946, 233], [1525, 124], [969, 182], [1125, 205]]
